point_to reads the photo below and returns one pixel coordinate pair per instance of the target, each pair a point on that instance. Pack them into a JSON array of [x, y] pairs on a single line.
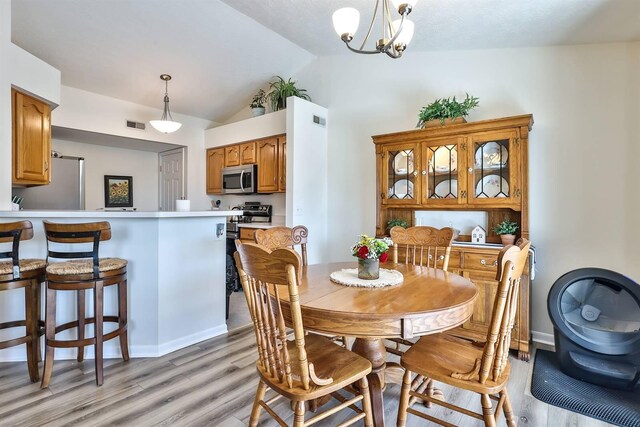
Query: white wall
[[306, 170], [580, 99], [101, 161], [97, 113]]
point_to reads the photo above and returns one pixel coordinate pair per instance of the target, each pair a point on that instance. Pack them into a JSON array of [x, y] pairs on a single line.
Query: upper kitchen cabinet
[[232, 156], [31, 140], [248, 153], [215, 163], [268, 165], [282, 163]]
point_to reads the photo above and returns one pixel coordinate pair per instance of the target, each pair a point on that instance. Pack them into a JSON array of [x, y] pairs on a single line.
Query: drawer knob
[[484, 262]]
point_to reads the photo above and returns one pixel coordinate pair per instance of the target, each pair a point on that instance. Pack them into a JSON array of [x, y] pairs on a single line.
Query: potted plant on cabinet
[[397, 222], [281, 89], [507, 231], [446, 110], [257, 104]]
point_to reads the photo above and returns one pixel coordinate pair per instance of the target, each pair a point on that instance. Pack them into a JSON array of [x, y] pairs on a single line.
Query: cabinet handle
[[463, 193], [464, 146], [424, 172], [517, 192], [46, 166], [470, 170], [382, 196], [484, 262], [274, 179], [415, 173]]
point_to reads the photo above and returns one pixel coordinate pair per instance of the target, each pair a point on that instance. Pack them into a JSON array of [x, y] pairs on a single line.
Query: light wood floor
[[208, 384]]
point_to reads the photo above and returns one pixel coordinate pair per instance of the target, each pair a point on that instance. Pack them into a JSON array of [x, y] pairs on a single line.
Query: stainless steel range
[[253, 212]]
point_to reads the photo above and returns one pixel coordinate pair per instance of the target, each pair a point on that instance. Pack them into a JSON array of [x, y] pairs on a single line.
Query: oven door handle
[[242, 180]]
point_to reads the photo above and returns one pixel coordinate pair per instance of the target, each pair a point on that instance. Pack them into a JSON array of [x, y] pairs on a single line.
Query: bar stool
[[27, 274], [85, 271]]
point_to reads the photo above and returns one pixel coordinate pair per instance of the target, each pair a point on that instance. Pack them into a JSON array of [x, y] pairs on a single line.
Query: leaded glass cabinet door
[[493, 168], [401, 176], [443, 181]]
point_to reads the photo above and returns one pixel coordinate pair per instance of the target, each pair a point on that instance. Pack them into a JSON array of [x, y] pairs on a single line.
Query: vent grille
[[319, 120], [135, 125]]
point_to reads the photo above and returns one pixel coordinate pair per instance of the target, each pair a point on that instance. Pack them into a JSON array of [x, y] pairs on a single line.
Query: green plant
[[446, 108], [397, 222], [506, 227], [281, 89], [259, 99]]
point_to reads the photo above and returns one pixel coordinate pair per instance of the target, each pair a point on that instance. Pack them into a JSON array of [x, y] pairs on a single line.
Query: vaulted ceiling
[[220, 52]]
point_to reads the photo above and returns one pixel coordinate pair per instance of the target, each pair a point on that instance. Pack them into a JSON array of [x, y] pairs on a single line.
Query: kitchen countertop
[[113, 214], [260, 224]]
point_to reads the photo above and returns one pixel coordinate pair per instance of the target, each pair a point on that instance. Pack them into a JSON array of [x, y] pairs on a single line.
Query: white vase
[[257, 111]]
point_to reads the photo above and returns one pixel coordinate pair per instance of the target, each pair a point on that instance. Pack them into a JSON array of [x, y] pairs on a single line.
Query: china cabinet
[[31, 140], [462, 166]]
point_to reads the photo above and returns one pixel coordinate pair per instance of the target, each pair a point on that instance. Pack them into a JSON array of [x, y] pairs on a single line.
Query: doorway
[[173, 178]]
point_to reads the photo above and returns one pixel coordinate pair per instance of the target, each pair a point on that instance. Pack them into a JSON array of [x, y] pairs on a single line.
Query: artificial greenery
[[281, 89], [259, 99], [397, 222], [446, 108], [506, 227]]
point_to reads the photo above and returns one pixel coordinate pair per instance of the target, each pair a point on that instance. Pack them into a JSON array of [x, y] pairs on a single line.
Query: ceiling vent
[[135, 125]]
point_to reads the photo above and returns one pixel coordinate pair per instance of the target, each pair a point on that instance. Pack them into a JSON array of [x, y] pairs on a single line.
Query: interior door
[[172, 178]]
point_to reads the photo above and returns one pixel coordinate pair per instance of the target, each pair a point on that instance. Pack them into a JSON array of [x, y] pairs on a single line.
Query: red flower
[[384, 257], [362, 252]]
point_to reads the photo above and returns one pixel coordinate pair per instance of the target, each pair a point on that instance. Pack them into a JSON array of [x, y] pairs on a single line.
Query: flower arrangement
[[372, 248]]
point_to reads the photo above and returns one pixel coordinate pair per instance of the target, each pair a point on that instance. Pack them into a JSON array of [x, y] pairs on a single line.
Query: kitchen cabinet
[[282, 163], [247, 234], [270, 154], [248, 153], [31, 140], [232, 156], [215, 163], [478, 166], [268, 165]]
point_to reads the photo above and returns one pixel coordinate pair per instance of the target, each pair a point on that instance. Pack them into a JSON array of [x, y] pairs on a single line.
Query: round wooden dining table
[[428, 301]]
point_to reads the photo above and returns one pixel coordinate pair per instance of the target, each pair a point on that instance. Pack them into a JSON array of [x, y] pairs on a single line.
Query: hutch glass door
[[492, 171], [401, 184], [442, 182]]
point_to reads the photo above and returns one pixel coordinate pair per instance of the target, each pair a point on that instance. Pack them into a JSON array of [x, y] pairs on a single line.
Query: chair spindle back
[[263, 275], [423, 246], [511, 263], [284, 237]]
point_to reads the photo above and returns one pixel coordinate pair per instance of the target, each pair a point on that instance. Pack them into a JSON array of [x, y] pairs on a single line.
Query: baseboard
[[543, 338], [112, 349], [183, 342]]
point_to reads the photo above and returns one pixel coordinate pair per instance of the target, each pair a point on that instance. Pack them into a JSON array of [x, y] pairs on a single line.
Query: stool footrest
[[88, 320], [14, 342], [87, 341], [13, 324]]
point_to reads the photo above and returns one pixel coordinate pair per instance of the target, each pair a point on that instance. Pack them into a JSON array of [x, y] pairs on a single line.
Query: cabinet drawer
[[454, 259], [481, 262], [247, 234]]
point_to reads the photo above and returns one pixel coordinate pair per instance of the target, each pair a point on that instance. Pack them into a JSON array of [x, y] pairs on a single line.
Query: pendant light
[[166, 123], [395, 34]]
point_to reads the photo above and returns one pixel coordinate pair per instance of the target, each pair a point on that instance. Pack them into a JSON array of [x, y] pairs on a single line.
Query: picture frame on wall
[[118, 191]]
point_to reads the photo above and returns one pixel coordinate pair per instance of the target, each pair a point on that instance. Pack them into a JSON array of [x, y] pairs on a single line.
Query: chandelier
[[166, 123], [395, 36]]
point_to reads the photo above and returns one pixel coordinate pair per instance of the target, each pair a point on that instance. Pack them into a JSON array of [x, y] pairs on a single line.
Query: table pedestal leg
[[373, 350]]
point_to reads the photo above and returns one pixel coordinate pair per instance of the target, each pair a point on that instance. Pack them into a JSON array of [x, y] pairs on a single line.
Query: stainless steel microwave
[[240, 179]]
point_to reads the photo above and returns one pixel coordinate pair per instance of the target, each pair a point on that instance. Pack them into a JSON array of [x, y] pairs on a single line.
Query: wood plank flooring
[[208, 384]]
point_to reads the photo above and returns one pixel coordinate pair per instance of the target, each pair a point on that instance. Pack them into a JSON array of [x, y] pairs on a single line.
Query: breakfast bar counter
[[176, 277]]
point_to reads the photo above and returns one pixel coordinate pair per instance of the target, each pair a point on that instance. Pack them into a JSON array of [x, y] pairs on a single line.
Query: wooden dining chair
[[423, 246], [460, 363], [307, 367], [284, 237]]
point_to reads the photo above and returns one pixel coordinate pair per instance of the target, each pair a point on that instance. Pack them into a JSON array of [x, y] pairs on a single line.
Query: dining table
[[427, 301]]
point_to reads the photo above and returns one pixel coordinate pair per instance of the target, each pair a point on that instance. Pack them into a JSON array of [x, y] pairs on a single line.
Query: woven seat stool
[[27, 274], [84, 270]]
